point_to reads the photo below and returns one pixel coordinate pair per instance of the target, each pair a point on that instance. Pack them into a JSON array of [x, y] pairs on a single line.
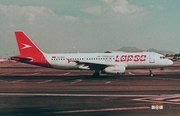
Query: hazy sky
[[91, 25]]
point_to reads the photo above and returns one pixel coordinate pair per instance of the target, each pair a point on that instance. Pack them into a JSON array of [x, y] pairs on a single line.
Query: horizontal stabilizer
[[21, 59]]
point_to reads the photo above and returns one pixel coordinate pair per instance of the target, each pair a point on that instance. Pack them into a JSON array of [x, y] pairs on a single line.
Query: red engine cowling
[[115, 69]]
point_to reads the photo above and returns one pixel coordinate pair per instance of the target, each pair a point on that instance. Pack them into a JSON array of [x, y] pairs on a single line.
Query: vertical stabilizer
[[29, 52], [26, 47]]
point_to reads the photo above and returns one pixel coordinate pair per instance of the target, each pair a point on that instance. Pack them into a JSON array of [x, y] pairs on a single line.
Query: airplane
[[105, 63]]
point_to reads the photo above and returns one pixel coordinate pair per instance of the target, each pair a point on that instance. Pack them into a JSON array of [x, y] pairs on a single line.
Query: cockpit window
[[162, 57]]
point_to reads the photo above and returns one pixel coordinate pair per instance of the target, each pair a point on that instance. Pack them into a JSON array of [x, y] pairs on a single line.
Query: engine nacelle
[[115, 69]]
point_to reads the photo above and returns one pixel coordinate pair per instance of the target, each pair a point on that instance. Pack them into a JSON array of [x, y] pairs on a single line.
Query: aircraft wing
[[95, 65]]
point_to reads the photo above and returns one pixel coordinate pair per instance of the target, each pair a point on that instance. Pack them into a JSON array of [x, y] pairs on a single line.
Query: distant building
[[176, 57]]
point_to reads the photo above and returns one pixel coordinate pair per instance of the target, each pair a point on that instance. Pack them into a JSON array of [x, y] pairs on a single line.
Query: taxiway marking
[[169, 99], [44, 81], [108, 82], [17, 81], [66, 73], [104, 110], [77, 81], [131, 73]]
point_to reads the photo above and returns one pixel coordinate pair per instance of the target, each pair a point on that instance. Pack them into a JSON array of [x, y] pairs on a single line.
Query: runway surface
[[37, 91]]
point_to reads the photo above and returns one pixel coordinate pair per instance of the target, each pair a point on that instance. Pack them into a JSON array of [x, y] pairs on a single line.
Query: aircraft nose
[[169, 62]]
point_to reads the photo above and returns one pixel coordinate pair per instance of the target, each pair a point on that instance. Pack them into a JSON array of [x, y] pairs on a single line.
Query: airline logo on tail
[[25, 46], [29, 52]]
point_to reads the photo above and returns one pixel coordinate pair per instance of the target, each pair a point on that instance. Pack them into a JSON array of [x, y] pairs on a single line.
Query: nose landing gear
[[150, 71]]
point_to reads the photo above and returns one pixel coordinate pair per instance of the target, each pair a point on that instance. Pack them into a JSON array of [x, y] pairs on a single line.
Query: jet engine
[[115, 69]]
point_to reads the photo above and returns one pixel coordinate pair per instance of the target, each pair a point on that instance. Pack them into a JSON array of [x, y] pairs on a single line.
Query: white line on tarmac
[[17, 81], [169, 99], [104, 110], [77, 81], [70, 95], [152, 101], [175, 100], [131, 73], [44, 81], [66, 73], [108, 82]]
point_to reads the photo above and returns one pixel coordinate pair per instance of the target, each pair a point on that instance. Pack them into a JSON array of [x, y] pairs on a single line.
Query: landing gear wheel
[[151, 74], [96, 74]]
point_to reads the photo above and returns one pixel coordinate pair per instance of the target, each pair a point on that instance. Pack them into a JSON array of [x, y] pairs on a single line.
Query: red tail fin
[[26, 47], [28, 50]]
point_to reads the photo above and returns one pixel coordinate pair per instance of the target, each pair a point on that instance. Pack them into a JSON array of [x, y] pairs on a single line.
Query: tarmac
[[31, 90]]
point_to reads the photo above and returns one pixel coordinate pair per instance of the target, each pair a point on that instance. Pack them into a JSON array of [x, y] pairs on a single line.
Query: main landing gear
[[96, 74], [150, 71]]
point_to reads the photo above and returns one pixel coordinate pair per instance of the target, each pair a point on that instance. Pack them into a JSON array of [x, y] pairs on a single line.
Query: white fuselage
[[129, 60]]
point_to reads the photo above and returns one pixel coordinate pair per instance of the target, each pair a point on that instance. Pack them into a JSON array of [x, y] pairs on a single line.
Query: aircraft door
[[151, 58]]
